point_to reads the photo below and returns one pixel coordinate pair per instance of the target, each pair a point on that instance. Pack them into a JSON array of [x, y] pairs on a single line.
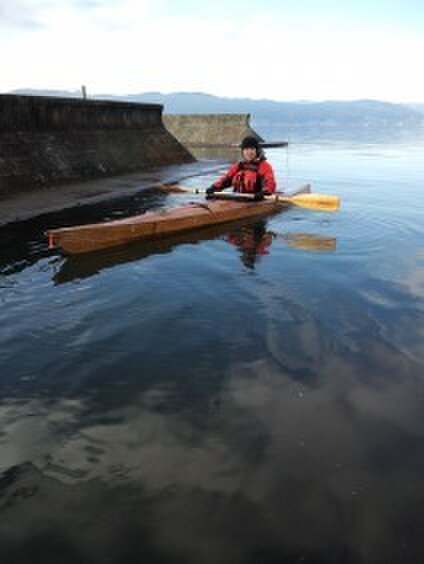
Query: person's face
[[249, 154]]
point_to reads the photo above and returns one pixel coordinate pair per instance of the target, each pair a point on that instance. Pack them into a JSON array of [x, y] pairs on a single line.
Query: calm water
[[249, 395]]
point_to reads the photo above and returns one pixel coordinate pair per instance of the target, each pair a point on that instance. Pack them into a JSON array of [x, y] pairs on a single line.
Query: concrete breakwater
[[46, 141], [210, 130]]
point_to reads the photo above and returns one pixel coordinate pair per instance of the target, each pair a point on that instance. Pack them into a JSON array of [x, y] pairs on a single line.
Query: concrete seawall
[[210, 130], [47, 141]]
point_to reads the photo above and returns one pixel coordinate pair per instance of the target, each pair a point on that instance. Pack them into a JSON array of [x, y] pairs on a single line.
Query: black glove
[[258, 196], [210, 191]]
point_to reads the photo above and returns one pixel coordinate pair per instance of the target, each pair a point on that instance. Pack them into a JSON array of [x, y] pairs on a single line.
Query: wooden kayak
[[154, 225]]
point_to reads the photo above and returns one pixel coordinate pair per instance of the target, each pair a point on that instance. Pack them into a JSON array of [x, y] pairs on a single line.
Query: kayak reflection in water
[[252, 175], [253, 241]]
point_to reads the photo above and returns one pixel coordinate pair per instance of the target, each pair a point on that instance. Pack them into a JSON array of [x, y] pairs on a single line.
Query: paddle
[[321, 202]]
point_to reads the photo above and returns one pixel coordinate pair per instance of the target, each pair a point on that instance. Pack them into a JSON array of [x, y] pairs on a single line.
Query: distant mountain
[[278, 117]]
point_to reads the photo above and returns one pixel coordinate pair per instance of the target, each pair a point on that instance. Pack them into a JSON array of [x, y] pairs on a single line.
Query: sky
[[281, 50]]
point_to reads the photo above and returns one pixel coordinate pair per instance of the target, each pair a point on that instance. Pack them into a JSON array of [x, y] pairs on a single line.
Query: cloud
[[18, 14], [129, 46], [36, 13]]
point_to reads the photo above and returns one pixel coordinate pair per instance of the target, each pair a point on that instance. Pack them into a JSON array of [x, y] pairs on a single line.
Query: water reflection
[[245, 473], [253, 242]]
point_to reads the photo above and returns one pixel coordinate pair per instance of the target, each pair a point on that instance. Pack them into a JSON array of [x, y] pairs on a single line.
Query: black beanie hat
[[251, 142]]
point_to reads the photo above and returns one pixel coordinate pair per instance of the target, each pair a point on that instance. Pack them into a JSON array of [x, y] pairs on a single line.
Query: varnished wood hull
[[153, 225]]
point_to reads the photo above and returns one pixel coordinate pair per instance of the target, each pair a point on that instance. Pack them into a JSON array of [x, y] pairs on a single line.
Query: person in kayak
[[252, 175]]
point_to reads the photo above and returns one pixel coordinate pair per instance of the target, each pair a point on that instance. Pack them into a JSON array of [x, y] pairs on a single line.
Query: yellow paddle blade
[[323, 202]]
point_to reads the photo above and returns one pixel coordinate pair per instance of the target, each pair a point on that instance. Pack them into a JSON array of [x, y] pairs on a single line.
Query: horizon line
[[197, 92]]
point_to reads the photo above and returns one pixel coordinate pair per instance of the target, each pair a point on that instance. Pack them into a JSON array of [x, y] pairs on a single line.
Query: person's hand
[[210, 191], [258, 196]]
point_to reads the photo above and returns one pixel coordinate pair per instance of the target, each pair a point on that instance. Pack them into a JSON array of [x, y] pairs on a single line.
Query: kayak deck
[[154, 225]]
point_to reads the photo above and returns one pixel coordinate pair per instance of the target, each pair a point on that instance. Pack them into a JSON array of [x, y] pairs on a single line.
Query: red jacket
[[249, 177]]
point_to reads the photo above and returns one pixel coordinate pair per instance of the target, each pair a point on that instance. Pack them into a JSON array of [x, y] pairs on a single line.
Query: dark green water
[[252, 394]]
